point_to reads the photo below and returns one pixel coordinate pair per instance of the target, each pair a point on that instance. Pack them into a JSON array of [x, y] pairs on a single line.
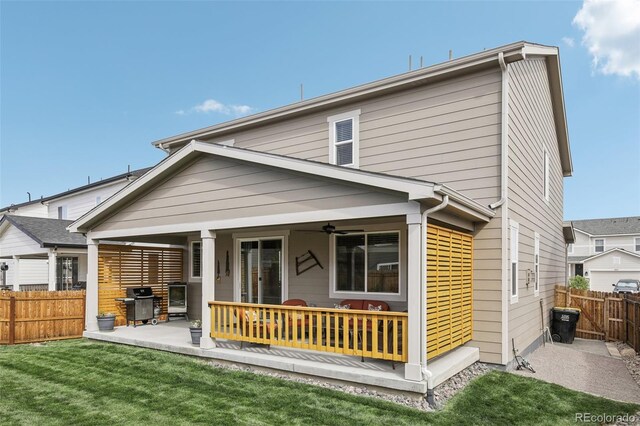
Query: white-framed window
[[514, 229], [546, 175], [570, 249], [344, 139], [598, 245], [536, 264], [637, 244], [196, 259], [62, 212], [366, 263]]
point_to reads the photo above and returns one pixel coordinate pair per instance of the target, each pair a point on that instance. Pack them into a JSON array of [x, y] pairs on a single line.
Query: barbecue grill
[[140, 303]]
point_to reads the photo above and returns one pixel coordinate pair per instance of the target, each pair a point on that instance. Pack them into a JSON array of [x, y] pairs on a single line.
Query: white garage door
[[602, 280]]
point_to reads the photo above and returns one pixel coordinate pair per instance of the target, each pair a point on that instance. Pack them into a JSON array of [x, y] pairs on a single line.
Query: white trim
[[512, 52], [604, 245], [229, 142], [261, 234], [402, 281], [636, 244], [610, 251], [606, 235], [570, 248], [615, 270], [283, 236], [514, 248], [536, 264], [191, 258], [379, 210], [354, 116]]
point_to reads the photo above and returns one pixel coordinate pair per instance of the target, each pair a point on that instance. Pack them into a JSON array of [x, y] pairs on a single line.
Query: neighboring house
[[605, 251], [477, 147], [35, 245]]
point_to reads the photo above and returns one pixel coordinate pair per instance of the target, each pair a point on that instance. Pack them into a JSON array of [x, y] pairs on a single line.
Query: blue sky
[[85, 87]]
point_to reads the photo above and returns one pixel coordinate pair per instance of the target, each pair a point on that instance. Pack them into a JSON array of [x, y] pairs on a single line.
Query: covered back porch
[[364, 237]]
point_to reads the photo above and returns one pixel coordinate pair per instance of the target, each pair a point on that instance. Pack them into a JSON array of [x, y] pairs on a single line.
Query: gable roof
[[610, 226], [134, 173], [46, 232], [453, 68], [414, 188], [582, 259]]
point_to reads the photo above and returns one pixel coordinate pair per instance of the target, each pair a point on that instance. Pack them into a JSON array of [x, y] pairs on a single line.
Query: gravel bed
[[631, 359], [442, 393], [446, 390]]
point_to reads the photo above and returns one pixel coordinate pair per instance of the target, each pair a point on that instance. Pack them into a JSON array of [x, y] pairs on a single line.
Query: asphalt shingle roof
[[47, 232], [612, 226]]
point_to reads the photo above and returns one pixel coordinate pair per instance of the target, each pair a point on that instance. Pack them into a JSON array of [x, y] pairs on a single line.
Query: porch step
[[450, 364]]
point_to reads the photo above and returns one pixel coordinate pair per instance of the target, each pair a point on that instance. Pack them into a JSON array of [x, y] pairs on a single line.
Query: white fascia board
[[362, 212], [158, 170], [582, 232], [611, 251], [512, 52], [416, 190]]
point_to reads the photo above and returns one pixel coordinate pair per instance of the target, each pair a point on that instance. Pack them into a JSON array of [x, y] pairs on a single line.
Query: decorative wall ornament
[[227, 271], [306, 262]]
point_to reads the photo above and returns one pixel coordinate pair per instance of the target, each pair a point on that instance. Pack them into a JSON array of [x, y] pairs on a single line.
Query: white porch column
[[208, 282], [16, 273], [413, 369], [53, 256], [92, 285]]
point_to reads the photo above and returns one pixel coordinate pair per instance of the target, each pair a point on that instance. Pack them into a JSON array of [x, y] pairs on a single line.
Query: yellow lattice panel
[[449, 289]]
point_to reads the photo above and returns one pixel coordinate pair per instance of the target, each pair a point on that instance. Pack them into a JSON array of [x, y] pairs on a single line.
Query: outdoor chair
[[261, 327]]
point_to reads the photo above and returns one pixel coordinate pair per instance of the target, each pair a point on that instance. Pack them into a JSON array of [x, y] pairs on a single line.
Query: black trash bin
[[563, 324]]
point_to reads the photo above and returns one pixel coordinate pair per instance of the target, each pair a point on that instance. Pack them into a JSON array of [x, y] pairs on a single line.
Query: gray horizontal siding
[[216, 189], [531, 128]]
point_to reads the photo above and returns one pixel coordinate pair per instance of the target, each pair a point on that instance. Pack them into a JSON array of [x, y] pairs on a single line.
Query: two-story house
[[37, 251], [435, 196], [605, 251]]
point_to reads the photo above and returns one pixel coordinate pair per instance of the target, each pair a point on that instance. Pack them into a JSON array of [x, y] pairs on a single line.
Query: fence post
[[12, 320], [625, 308], [606, 317], [567, 298]]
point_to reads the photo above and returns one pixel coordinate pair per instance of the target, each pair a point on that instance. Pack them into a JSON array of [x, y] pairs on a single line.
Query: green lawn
[[85, 382]]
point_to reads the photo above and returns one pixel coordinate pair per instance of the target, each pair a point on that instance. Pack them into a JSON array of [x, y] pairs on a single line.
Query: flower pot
[[106, 322], [196, 334]]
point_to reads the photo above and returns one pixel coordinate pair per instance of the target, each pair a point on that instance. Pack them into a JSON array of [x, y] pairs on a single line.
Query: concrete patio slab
[[585, 366]]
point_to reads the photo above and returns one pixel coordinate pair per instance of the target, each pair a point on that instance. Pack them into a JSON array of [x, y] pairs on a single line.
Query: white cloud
[[568, 41], [612, 35], [213, 106]]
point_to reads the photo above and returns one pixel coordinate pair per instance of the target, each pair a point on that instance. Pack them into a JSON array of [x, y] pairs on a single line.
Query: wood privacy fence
[[38, 316], [604, 315]]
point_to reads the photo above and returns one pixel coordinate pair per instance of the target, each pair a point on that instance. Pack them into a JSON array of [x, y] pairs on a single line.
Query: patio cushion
[[363, 304]]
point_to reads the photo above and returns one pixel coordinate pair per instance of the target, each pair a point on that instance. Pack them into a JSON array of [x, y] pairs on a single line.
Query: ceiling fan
[[331, 229]]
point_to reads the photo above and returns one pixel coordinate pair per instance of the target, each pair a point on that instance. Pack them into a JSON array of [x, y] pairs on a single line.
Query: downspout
[[502, 202], [504, 140], [423, 302]]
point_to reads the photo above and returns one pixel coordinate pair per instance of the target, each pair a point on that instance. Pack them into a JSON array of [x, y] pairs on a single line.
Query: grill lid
[[139, 292]]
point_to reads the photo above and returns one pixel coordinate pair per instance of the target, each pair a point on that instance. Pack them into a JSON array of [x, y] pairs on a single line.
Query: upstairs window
[[599, 245], [637, 244], [570, 249], [62, 212], [546, 175], [344, 139]]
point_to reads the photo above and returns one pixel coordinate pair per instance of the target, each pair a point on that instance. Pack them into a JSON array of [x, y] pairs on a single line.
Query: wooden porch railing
[[370, 334]]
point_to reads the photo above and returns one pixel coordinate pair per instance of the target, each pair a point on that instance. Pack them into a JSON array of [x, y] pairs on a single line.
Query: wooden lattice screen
[[123, 266], [449, 289]]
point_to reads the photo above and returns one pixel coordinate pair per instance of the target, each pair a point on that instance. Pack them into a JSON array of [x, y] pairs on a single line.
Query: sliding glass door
[[261, 270]]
